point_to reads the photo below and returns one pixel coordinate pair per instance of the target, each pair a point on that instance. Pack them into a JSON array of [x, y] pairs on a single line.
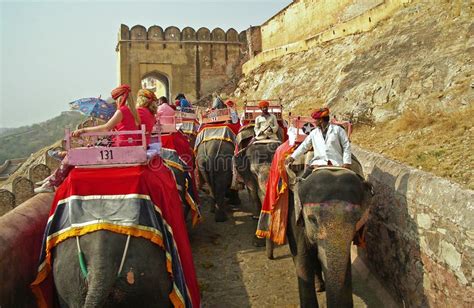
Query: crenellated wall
[[188, 61], [307, 23]]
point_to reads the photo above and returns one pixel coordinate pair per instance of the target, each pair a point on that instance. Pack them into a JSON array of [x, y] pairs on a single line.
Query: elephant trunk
[[334, 253], [102, 277]]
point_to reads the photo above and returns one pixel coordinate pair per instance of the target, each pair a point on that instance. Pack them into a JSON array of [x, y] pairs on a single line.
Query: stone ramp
[[233, 273]]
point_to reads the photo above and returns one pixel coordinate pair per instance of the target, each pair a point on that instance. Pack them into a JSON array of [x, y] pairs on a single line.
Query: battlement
[[194, 62], [156, 34]]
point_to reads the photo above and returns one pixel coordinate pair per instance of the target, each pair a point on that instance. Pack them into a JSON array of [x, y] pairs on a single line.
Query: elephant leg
[[305, 258], [219, 197], [253, 192], [234, 197], [269, 248]]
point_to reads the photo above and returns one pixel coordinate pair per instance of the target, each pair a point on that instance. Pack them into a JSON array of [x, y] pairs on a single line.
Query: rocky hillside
[[408, 84]]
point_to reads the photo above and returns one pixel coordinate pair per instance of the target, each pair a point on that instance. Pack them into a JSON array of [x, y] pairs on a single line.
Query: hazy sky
[[53, 52]]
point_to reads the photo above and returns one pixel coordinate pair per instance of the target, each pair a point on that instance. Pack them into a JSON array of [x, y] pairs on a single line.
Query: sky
[[53, 52]]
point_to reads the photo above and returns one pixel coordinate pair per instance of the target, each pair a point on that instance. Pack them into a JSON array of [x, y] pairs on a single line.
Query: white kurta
[[336, 148], [266, 127]]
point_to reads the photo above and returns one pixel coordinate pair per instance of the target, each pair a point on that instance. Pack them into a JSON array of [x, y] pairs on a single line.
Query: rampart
[[307, 23], [420, 238], [21, 234], [185, 61]]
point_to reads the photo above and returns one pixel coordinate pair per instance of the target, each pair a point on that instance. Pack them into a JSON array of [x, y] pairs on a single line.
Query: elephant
[[333, 201], [214, 162], [143, 281], [179, 169], [253, 165], [180, 177]]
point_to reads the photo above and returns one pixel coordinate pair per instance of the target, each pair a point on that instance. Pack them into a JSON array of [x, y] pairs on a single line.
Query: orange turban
[[121, 91], [148, 94], [320, 113], [229, 103], [263, 104]]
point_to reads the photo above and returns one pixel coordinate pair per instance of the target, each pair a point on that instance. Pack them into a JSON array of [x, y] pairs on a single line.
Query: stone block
[[7, 201], [22, 188], [38, 172], [450, 255]]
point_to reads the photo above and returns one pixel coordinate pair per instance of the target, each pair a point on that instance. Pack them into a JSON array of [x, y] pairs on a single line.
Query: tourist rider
[[329, 142], [125, 119], [165, 113], [266, 124], [146, 108], [233, 113], [184, 104]]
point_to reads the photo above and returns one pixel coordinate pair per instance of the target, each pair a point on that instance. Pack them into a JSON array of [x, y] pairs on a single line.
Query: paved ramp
[[233, 273]]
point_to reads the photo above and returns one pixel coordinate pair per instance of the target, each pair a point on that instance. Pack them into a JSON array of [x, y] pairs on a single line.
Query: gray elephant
[[322, 222], [143, 282], [214, 162], [253, 165]]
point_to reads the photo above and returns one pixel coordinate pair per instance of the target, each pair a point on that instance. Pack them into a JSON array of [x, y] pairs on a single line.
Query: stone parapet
[[309, 23], [420, 237], [7, 201], [21, 233]]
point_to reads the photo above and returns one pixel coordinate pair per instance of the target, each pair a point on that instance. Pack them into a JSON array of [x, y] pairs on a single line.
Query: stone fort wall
[[191, 62], [420, 236], [307, 23]]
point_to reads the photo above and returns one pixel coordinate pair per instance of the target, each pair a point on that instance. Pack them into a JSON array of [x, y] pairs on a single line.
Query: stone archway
[[156, 82]]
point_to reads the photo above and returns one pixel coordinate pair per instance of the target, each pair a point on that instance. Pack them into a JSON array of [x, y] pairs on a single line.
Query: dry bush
[[413, 119]]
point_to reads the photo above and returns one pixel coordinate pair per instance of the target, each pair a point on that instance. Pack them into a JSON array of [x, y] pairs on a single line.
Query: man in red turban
[[266, 124], [329, 142]]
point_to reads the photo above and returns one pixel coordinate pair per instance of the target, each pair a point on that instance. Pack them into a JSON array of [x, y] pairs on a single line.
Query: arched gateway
[[171, 61]]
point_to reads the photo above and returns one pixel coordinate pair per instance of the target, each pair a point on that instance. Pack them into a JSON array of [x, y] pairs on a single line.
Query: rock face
[[420, 56]]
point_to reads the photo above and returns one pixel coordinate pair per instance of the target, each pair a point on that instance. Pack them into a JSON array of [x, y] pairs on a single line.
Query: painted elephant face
[[333, 218]]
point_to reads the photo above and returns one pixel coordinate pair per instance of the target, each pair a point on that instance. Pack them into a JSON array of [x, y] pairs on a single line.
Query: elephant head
[[333, 201]]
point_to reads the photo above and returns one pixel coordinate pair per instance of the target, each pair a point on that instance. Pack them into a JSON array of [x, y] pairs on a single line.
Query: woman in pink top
[[125, 118], [146, 107], [165, 113]]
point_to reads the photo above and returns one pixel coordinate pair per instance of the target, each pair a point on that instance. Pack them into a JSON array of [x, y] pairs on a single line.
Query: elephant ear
[[369, 187], [292, 178]]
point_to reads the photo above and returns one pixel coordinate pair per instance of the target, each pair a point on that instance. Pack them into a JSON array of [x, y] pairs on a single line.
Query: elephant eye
[[312, 218]]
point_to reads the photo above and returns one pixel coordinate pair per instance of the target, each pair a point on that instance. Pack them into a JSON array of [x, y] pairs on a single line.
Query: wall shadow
[[393, 244]]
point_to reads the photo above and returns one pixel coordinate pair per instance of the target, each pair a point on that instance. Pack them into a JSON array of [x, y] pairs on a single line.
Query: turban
[[263, 104], [229, 103], [320, 113], [121, 91], [148, 94]]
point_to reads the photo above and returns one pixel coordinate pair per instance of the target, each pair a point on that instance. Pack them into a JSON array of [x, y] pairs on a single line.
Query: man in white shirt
[[329, 142], [266, 124]]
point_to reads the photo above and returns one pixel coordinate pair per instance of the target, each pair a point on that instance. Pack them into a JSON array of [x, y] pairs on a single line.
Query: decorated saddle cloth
[[245, 133], [224, 132], [172, 159], [189, 127], [274, 214], [180, 143], [140, 201]]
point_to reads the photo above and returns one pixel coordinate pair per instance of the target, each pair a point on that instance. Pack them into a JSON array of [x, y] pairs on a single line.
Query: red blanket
[[274, 213], [180, 143], [154, 181], [234, 127]]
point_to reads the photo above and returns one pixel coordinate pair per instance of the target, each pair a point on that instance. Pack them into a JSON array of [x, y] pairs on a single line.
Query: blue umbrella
[[94, 107]]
